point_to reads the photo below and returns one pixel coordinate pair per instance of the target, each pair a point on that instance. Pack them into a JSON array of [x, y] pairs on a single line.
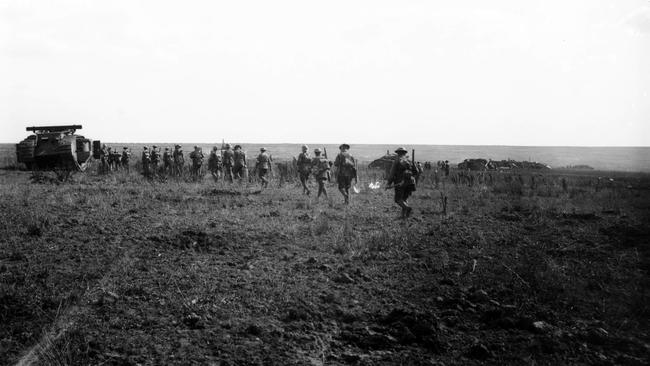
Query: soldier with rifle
[[346, 170], [146, 160], [168, 161], [239, 170], [321, 167], [179, 160], [155, 159], [109, 159], [329, 171], [304, 168], [228, 162], [263, 166], [126, 156], [103, 158], [214, 163], [197, 161], [402, 178]]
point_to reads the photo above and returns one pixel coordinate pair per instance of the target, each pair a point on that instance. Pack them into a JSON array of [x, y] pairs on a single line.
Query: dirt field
[[520, 269]]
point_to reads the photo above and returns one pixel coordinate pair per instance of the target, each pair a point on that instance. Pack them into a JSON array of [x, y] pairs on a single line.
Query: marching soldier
[[228, 162], [321, 167], [263, 166], [168, 161], [197, 161], [304, 168], [239, 170], [155, 159], [146, 160], [346, 170], [126, 156], [103, 158], [214, 163], [109, 158], [402, 179], [179, 160]]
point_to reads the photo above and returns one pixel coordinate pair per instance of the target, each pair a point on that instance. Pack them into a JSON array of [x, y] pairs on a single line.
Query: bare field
[[521, 269]]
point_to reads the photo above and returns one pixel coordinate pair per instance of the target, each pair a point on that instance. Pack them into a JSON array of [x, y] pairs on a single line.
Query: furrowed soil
[[519, 268]]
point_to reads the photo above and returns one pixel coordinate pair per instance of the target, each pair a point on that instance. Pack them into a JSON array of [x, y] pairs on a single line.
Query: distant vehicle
[[57, 148], [385, 162], [474, 164]]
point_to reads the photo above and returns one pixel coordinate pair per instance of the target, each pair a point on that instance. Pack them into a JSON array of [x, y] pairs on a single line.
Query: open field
[[522, 268]]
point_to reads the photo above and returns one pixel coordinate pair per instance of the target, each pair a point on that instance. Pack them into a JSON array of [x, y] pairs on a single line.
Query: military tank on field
[[57, 148]]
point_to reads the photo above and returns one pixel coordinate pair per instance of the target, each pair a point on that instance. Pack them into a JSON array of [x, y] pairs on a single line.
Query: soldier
[[263, 166], [167, 161], [346, 170], [197, 161], [228, 162], [304, 168], [446, 168], [321, 167], [214, 163], [146, 160], [126, 156], [239, 170], [155, 159], [116, 159], [402, 178], [109, 158], [103, 155], [179, 160]]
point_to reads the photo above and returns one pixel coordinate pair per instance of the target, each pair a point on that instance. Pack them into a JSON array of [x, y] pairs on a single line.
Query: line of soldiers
[[232, 165], [320, 166], [169, 162], [403, 175], [112, 160], [229, 163]]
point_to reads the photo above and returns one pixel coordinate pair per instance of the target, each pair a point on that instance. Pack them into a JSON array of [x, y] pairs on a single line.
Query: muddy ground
[[520, 269]]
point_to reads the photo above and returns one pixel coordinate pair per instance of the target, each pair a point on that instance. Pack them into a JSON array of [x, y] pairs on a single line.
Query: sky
[[499, 72]]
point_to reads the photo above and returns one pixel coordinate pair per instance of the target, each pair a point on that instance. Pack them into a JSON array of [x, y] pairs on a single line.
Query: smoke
[[375, 185]]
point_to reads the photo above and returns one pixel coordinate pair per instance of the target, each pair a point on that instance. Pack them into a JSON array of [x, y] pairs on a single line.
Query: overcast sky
[[499, 72]]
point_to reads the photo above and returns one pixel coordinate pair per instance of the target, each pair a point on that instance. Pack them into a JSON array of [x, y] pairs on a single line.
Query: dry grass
[[172, 271]]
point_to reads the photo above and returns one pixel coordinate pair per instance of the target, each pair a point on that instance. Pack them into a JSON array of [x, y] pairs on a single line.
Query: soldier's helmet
[[305, 147], [317, 151], [155, 147], [166, 149], [214, 148], [125, 148], [177, 146], [227, 146], [344, 146], [196, 147], [145, 148], [262, 149], [400, 150], [237, 147]]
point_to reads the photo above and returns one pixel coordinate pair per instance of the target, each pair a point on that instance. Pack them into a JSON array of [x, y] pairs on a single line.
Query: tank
[[56, 148], [473, 164]]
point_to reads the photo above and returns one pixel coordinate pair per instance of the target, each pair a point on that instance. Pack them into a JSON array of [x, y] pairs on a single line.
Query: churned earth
[[518, 268]]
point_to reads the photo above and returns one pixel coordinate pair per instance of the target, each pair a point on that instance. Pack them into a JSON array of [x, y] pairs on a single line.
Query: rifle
[[329, 174], [417, 172]]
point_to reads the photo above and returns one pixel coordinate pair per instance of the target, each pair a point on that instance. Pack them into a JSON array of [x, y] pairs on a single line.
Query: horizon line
[[361, 143]]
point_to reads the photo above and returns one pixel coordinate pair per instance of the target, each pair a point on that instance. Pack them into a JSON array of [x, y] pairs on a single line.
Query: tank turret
[[55, 147]]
